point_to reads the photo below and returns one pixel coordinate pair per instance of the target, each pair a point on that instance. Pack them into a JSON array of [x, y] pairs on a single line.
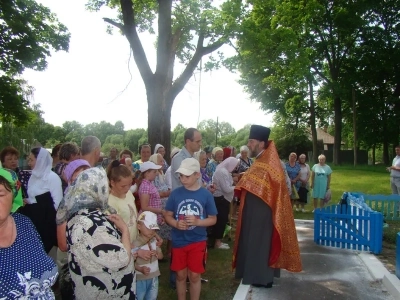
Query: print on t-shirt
[[190, 207]]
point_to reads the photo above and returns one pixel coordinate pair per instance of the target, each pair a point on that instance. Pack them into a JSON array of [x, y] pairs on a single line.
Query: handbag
[[328, 196], [294, 195]]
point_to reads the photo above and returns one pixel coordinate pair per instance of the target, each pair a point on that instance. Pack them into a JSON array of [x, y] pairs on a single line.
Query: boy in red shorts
[[189, 210]]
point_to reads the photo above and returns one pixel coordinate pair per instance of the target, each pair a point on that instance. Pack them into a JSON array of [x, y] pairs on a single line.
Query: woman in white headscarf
[[44, 195], [217, 157], [159, 149], [223, 196]]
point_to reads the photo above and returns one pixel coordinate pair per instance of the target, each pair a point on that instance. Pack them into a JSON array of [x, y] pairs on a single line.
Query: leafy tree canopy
[[28, 32]]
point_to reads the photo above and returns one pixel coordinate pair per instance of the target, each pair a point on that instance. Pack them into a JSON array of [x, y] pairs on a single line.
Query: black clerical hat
[[260, 133]]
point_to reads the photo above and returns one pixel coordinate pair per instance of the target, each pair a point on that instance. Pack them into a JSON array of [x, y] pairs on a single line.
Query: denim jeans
[[147, 289]]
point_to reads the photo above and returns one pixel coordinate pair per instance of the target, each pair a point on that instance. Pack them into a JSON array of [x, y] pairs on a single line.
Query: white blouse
[[223, 184], [52, 185], [305, 172]]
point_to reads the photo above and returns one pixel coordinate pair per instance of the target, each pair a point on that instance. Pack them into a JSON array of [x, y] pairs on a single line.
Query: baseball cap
[[148, 165], [149, 219], [73, 166], [189, 166]]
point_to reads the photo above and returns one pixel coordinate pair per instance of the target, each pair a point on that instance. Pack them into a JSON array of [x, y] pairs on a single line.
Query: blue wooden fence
[[388, 205], [346, 226]]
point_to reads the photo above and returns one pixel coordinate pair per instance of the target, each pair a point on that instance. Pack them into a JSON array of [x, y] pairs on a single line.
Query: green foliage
[[177, 136], [337, 45], [289, 139], [132, 138], [28, 31], [104, 129], [13, 103]]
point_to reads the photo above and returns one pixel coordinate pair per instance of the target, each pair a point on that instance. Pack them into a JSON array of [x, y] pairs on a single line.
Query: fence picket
[[348, 227]]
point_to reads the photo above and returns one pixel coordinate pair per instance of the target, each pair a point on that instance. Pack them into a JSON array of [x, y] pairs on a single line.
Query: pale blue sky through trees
[[90, 83]]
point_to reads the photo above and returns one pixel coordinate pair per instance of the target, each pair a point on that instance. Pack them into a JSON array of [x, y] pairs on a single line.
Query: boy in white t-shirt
[[147, 271]]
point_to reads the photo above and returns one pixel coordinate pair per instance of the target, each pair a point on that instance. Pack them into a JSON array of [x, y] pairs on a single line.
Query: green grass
[[221, 283], [365, 179]]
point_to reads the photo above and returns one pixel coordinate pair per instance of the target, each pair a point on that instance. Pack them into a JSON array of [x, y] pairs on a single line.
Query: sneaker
[[224, 244], [223, 247], [303, 210], [313, 210], [297, 209]]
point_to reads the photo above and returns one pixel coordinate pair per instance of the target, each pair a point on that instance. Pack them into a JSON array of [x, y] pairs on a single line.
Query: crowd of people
[[108, 217]]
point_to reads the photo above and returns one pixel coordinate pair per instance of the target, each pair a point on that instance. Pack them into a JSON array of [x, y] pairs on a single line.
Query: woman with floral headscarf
[[99, 249], [44, 195]]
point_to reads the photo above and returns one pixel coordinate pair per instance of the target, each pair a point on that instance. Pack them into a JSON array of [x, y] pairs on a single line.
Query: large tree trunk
[[159, 119], [337, 104], [354, 126], [385, 131], [312, 123]]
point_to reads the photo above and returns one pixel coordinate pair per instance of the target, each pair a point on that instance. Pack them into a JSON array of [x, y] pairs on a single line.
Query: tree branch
[[181, 81], [129, 28], [213, 47], [116, 24], [323, 41], [320, 74]]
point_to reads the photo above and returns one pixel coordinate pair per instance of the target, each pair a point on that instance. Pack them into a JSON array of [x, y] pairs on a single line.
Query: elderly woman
[[217, 158], [159, 149], [223, 196], [99, 249], [145, 153], [9, 159], [293, 170], [44, 195], [244, 159], [202, 158], [304, 188], [27, 272], [320, 181]]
